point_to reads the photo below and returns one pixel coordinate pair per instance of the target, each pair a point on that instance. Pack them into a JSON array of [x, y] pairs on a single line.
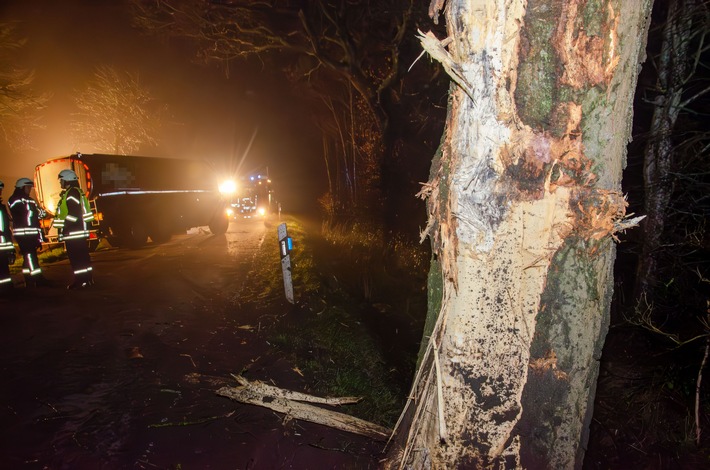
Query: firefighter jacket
[[5, 232], [73, 214], [26, 214]]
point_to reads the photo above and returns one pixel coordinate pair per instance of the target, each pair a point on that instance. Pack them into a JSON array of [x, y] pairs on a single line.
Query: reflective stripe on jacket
[[73, 213], [25, 216], [5, 232]]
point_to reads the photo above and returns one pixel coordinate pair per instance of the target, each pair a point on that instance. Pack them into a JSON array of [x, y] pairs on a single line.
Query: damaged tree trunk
[[524, 200]]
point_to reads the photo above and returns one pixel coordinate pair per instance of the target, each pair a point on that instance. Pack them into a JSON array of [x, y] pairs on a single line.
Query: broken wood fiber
[[284, 401]]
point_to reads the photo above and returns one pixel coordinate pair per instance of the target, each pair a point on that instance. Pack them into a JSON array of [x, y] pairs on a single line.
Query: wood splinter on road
[[291, 404]]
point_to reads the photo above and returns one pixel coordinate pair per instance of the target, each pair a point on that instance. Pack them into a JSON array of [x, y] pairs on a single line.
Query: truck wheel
[[135, 235], [160, 234], [219, 224]]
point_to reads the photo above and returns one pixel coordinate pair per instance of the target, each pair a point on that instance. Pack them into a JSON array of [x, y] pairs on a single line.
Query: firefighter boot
[[80, 282], [77, 284]]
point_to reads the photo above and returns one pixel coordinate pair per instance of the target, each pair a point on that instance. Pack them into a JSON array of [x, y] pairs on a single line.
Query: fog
[[211, 115]]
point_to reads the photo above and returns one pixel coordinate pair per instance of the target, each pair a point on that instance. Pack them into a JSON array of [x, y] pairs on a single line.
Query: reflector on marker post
[[286, 245]]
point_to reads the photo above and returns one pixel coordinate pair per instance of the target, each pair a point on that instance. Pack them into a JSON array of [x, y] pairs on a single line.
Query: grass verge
[[323, 336]]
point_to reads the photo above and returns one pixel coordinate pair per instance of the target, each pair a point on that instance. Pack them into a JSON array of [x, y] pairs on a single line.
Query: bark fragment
[[291, 404], [588, 59]]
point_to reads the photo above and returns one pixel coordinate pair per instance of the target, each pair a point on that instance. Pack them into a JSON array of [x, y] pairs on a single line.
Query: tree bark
[[523, 199]]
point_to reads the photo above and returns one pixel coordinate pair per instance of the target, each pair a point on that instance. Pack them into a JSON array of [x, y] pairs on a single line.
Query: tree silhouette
[[20, 105], [116, 113], [677, 99], [671, 285]]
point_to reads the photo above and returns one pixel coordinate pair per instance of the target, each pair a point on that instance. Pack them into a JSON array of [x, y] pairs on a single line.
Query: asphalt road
[[123, 374]]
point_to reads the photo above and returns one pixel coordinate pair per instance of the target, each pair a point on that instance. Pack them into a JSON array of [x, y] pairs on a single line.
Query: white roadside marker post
[[285, 247]]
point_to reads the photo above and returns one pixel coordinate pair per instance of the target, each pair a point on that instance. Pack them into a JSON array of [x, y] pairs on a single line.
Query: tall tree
[[524, 201], [678, 86], [116, 113], [669, 182], [20, 105]]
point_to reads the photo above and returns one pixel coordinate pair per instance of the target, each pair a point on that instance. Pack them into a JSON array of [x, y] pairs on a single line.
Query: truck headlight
[[228, 187]]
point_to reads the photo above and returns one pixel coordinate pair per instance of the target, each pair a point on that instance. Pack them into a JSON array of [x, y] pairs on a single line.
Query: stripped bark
[[290, 404], [270, 390]]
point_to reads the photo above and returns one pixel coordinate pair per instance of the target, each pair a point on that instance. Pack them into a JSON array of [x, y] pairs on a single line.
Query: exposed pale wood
[[437, 51], [274, 398], [697, 391], [439, 395], [419, 415], [276, 392]]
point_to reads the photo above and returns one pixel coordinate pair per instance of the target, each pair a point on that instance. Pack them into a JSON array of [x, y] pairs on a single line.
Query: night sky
[[212, 116]]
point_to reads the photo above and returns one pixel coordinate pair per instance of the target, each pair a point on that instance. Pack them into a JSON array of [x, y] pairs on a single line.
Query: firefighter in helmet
[[71, 220], [27, 231], [7, 249]]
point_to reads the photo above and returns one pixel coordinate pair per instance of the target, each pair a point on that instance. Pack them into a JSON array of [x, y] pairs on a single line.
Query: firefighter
[[73, 215], [27, 231], [7, 249]]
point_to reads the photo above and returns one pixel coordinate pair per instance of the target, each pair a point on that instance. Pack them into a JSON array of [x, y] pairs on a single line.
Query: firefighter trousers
[[80, 259], [30, 262], [5, 279]]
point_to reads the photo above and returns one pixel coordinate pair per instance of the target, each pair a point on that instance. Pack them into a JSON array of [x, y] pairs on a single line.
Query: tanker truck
[[137, 198]]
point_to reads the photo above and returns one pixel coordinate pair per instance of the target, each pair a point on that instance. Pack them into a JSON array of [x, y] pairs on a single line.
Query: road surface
[[123, 374]]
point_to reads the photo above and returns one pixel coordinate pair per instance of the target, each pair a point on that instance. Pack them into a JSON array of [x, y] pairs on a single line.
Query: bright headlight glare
[[228, 187]]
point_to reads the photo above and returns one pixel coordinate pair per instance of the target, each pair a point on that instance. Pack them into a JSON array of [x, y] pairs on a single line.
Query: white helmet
[[68, 175], [22, 182]]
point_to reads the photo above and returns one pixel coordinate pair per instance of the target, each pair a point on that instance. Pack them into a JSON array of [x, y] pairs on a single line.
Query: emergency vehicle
[[254, 198], [137, 198]]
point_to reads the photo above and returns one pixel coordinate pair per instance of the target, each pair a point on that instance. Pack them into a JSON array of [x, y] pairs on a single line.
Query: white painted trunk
[[523, 203]]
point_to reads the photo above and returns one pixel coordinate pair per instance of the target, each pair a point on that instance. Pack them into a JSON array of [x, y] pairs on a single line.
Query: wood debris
[[292, 404], [434, 8], [437, 50], [191, 360]]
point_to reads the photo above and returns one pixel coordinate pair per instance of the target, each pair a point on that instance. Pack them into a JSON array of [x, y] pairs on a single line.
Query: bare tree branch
[[116, 113]]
